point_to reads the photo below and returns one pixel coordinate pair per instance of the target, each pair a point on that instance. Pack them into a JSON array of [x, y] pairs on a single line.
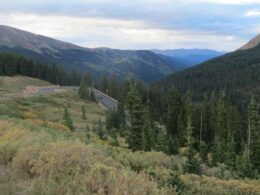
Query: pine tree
[[99, 130], [67, 119], [189, 113], [113, 135], [83, 111], [87, 128], [74, 78], [174, 110], [230, 153], [222, 119], [192, 164], [174, 124], [121, 116], [244, 164], [217, 152], [135, 109], [161, 139], [223, 131], [203, 152], [84, 86], [92, 95], [189, 130], [148, 133], [206, 126], [173, 145], [254, 133], [112, 120]]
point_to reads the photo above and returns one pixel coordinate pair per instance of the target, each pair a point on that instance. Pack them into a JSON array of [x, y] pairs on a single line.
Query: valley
[[110, 98], [53, 118]]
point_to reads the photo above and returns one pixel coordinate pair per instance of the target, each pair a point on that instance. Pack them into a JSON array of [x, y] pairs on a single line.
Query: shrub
[[157, 164], [24, 162], [29, 115], [198, 185], [58, 126], [68, 168], [7, 153], [220, 171], [11, 112]]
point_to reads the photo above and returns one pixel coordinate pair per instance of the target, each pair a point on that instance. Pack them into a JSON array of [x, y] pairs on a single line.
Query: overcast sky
[[138, 24]]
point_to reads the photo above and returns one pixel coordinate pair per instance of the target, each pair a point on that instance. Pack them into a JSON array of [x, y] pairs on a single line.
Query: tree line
[[12, 64], [213, 131], [236, 72]]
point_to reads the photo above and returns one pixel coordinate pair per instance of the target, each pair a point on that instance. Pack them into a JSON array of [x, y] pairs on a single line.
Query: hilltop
[[252, 43]]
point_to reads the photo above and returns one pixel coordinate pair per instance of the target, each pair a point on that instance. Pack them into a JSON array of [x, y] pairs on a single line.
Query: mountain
[[252, 43], [190, 57], [237, 73], [140, 64]]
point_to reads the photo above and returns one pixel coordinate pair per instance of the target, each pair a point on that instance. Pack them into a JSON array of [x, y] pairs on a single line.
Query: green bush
[[221, 171], [7, 153], [68, 168], [11, 112], [197, 185]]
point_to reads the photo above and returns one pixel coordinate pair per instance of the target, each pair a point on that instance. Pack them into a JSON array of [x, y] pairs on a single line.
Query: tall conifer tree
[[135, 109]]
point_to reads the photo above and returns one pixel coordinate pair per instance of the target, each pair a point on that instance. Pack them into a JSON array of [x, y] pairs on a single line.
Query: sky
[[223, 25]]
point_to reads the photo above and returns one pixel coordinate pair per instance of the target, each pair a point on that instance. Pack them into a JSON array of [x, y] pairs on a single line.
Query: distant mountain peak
[[190, 57], [252, 43], [13, 38]]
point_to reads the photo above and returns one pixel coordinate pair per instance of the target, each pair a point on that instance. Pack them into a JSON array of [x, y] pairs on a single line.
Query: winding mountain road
[[107, 101], [104, 99]]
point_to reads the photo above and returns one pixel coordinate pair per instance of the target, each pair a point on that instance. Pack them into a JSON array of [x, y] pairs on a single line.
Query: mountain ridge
[[190, 57], [237, 73], [252, 43], [139, 64], [19, 37]]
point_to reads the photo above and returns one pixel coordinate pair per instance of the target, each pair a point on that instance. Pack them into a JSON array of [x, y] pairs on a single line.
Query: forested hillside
[[177, 140], [11, 65], [236, 73]]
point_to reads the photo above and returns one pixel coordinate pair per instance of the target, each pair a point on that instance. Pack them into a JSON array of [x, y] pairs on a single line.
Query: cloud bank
[[139, 24]]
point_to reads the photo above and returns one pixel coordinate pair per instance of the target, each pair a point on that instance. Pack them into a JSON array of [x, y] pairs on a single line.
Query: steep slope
[[252, 43], [14, 38], [143, 65], [190, 57], [237, 73]]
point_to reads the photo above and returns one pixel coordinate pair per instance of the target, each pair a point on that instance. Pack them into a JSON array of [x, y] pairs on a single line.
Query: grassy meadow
[[12, 85]]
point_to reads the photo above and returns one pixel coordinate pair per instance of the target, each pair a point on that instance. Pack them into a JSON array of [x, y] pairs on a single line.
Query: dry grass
[[11, 85]]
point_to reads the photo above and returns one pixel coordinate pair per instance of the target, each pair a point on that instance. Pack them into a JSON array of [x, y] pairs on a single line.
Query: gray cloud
[[194, 18]]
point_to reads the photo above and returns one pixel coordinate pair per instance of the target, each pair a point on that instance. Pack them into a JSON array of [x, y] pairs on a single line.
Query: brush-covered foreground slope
[[140, 64], [237, 73], [40, 155]]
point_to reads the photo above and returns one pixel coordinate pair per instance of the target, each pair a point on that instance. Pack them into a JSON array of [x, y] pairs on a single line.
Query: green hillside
[[39, 154], [13, 85], [237, 73]]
